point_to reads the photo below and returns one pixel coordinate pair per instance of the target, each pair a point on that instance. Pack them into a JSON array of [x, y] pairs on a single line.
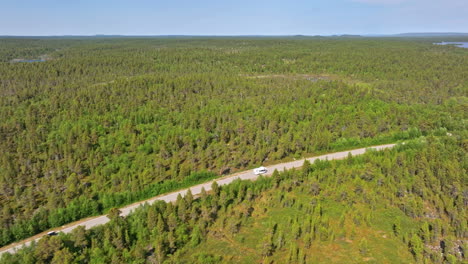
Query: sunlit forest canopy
[[97, 123], [400, 206]]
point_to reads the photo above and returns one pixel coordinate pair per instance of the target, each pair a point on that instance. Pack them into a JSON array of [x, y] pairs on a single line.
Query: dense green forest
[[104, 122], [407, 205]]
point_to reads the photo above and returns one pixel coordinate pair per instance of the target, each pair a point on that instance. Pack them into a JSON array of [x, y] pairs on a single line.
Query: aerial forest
[[406, 205], [99, 123]]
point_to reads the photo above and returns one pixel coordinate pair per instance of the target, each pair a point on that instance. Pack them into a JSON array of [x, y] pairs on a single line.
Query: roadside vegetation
[[106, 122], [405, 205]]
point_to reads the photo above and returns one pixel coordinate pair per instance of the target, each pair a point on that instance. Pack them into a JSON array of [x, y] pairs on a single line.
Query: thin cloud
[[421, 3], [380, 2]]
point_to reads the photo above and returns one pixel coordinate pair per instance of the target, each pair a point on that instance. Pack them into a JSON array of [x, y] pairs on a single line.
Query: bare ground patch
[[310, 77]]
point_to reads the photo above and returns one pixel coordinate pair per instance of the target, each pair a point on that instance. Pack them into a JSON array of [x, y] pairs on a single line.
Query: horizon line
[[242, 35]]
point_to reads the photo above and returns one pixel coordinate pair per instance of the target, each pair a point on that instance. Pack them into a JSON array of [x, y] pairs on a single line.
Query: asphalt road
[[171, 197]]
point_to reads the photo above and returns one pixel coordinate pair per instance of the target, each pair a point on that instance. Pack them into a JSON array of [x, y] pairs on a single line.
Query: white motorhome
[[260, 170]]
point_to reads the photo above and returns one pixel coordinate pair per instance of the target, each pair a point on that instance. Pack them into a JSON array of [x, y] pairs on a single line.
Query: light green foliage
[[281, 222], [105, 122]]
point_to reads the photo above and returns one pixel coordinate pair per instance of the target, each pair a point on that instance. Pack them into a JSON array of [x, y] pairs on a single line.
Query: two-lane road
[[171, 197]]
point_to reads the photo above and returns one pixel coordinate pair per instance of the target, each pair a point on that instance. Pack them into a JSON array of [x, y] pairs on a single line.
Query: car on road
[[260, 170], [51, 233]]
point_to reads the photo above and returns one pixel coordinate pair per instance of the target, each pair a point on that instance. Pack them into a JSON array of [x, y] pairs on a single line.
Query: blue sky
[[235, 17]]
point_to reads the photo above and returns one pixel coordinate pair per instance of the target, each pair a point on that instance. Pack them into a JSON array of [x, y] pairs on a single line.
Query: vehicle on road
[[260, 170], [196, 190]]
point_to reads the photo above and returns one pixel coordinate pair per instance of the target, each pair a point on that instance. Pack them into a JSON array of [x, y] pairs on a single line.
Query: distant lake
[[458, 44]]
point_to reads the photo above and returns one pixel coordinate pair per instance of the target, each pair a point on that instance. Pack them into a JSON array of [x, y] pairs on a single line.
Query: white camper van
[[260, 170]]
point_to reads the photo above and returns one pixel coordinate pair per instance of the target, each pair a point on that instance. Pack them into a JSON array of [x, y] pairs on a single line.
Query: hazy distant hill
[[432, 34], [417, 34]]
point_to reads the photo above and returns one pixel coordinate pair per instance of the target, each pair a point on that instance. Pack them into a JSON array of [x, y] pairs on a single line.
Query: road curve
[[171, 197]]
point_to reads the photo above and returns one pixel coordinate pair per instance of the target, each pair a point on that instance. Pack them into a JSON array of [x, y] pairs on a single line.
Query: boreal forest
[[88, 125]]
